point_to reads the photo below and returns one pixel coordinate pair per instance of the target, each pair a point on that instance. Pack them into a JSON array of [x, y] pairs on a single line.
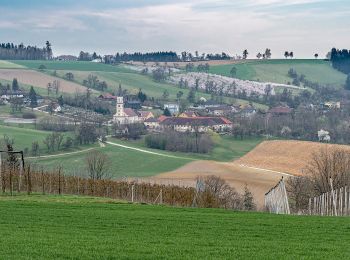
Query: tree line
[[180, 142], [10, 51], [340, 60]]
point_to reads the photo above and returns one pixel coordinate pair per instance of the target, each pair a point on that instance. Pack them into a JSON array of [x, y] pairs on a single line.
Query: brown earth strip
[[37, 79]]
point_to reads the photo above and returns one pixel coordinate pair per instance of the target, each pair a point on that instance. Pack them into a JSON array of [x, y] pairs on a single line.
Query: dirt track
[[37, 79], [258, 181]]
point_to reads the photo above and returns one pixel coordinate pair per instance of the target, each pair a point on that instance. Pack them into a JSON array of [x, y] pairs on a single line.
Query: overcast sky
[[110, 26]]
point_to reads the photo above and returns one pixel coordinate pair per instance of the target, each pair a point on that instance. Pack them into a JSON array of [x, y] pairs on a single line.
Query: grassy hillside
[[23, 137], [9, 65], [133, 81], [128, 162], [68, 227], [277, 71], [68, 65], [226, 148]]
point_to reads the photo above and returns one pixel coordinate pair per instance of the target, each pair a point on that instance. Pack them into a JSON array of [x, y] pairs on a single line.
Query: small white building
[[173, 108]]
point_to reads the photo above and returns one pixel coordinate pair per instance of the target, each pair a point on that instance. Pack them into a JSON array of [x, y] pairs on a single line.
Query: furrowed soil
[[37, 79], [285, 156]]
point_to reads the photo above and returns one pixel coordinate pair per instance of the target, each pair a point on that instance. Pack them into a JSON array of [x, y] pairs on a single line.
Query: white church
[[124, 116]]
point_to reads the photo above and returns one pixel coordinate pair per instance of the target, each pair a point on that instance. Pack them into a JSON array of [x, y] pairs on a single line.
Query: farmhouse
[[144, 115], [200, 124], [220, 110], [151, 123], [189, 114], [107, 97]]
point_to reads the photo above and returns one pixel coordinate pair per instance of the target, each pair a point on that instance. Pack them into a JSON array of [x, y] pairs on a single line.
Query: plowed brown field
[[260, 169], [285, 156], [259, 181], [37, 79]]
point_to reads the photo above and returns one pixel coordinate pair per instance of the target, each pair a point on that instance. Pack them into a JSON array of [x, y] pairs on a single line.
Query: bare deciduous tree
[[98, 165]]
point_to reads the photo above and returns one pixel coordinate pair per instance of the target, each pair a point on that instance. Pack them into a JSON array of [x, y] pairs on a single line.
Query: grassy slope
[[24, 137], [133, 81], [9, 65], [124, 162], [277, 71], [70, 65], [114, 75], [226, 148], [48, 227]]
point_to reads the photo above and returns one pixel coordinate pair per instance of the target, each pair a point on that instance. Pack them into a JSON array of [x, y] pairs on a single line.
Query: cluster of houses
[[187, 121]]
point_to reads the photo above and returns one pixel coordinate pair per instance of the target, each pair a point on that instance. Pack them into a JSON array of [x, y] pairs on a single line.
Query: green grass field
[[68, 65], [226, 148], [70, 227], [124, 162], [127, 162], [277, 71], [9, 65]]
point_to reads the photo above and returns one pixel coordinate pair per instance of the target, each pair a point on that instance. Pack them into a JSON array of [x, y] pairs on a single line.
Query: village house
[[189, 114], [152, 123], [280, 111], [173, 108], [221, 110], [144, 115], [247, 111], [107, 97]]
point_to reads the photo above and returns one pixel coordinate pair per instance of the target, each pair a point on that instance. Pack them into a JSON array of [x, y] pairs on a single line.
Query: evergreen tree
[[191, 96], [248, 199], [166, 112], [60, 101], [15, 86], [347, 83], [32, 97]]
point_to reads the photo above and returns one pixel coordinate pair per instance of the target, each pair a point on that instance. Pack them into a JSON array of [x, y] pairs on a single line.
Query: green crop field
[[71, 227], [277, 71]]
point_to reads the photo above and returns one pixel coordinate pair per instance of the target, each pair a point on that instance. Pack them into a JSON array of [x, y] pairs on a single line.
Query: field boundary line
[[267, 170]]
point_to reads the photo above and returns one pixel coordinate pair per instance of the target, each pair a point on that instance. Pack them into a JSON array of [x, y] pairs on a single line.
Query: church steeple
[[120, 107]]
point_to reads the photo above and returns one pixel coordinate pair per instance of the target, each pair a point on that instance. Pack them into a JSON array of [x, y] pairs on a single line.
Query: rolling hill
[[277, 71], [285, 156]]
